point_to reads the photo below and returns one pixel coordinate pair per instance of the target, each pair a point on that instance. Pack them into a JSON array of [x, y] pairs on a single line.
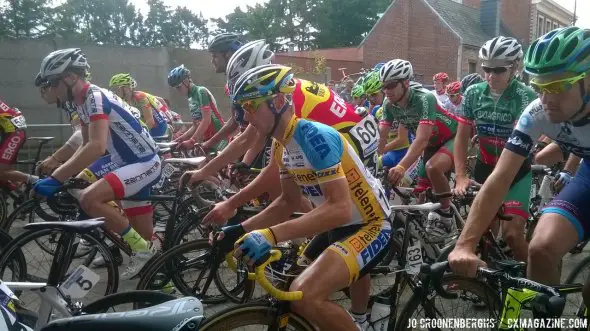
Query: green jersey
[[493, 116], [422, 108], [199, 99]]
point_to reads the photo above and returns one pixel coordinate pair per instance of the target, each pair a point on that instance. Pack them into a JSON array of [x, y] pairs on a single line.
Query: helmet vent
[[569, 48]]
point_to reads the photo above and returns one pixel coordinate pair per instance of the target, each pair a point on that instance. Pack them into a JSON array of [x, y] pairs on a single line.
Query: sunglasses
[[495, 70], [251, 106], [454, 95], [391, 85], [556, 86], [53, 82]]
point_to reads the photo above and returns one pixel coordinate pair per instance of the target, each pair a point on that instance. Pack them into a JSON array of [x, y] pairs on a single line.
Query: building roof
[[464, 20], [353, 54]]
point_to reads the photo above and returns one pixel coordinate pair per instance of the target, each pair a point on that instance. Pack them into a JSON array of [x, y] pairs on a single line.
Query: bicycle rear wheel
[[253, 316]]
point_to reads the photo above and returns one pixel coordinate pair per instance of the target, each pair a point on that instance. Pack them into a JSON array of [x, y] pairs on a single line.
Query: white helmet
[[397, 69], [61, 60], [251, 55], [501, 48]]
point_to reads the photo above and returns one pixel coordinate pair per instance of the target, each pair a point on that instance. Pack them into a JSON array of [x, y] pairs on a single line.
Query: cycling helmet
[[177, 75], [253, 54], [372, 84], [562, 50], [415, 85], [454, 88], [266, 80], [397, 69], [469, 80], [40, 81], [357, 91], [440, 77], [501, 48], [225, 42], [378, 66], [60, 61], [123, 79]]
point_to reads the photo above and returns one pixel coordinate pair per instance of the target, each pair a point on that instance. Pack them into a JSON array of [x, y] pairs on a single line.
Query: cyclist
[[372, 87], [558, 64], [441, 80], [222, 47], [434, 129], [206, 119], [152, 109], [358, 94], [73, 143], [469, 80], [13, 127], [350, 220], [131, 167], [455, 97]]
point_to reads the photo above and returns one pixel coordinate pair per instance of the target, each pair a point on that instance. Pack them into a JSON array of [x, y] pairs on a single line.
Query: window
[[555, 25], [472, 67], [548, 26], [540, 26]]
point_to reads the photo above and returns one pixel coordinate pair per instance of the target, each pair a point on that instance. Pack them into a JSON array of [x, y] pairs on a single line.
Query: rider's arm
[[232, 152], [383, 133], [572, 164], [418, 145], [188, 133], [549, 155], [461, 147], [97, 134], [254, 150], [261, 184], [148, 117], [399, 141], [203, 125], [228, 128], [141, 99], [489, 199]]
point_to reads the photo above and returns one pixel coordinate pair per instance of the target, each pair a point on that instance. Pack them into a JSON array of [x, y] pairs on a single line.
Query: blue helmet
[[378, 66], [177, 75]]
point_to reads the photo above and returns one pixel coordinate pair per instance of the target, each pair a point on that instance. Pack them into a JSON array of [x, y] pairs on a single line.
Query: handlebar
[[259, 276]]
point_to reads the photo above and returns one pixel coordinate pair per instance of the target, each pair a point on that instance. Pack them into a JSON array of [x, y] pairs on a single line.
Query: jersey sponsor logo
[[493, 116], [131, 137], [315, 89], [316, 139], [11, 147], [441, 117], [494, 130], [566, 135], [374, 243], [338, 106], [363, 196], [91, 103], [520, 143], [526, 121], [155, 167], [4, 107], [312, 191]]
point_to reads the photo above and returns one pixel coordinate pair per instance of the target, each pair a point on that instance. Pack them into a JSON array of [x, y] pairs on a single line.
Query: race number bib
[[80, 282], [414, 258], [366, 133], [19, 122]]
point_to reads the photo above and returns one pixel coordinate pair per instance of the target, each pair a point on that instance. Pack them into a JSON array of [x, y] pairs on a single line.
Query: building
[[439, 35]]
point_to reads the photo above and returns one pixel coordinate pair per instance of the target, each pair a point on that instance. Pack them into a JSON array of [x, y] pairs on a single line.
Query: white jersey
[[128, 141]]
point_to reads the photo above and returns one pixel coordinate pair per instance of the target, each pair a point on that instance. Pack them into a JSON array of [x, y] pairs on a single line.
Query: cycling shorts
[[11, 144], [392, 158], [517, 200], [572, 202], [362, 246], [447, 148], [128, 180]]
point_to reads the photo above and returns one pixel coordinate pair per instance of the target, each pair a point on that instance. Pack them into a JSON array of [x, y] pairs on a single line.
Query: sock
[[135, 241], [359, 318]]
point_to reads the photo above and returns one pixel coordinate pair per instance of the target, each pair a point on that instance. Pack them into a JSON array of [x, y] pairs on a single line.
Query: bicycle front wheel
[[254, 316]]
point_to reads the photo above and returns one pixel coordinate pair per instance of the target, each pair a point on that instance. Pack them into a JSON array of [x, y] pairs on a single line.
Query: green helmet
[[561, 50], [357, 91], [372, 84], [122, 79]]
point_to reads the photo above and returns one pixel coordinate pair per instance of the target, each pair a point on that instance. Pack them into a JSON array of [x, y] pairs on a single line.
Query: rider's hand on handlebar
[[47, 166], [255, 246], [187, 144], [227, 237], [561, 180], [192, 177], [461, 185], [464, 262], [220, 213], [395, 175], [47, 187]]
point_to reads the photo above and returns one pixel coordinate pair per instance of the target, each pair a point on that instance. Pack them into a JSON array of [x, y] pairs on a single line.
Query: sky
[[214, 9]]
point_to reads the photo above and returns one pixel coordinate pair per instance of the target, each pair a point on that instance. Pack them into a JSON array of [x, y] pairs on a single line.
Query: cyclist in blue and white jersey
[[131, 167]]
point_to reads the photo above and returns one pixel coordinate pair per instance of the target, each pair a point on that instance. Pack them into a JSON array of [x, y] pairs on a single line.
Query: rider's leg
[[95, 201], [513, 234], [516, 205], [360, 292], [437, 168], [141, 217]]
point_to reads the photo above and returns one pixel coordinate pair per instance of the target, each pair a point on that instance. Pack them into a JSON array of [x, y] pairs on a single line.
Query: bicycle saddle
[[194, 161], [538, 168], [86, 225], [44, 139], [180, 314], [166, 144]]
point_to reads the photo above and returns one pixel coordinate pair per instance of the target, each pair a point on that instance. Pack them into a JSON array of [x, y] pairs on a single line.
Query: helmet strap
[[585, 99], [278, 113]]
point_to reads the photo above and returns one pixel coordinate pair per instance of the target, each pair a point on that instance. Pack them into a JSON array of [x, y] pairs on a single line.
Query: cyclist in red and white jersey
[[131, 167], [455, 97], [12, 126], [441, 80]]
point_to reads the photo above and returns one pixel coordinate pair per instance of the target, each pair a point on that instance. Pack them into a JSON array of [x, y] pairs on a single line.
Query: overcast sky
[[214, 9]]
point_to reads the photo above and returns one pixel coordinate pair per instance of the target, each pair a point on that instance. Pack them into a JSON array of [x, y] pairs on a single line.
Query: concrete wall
[[20, 61]]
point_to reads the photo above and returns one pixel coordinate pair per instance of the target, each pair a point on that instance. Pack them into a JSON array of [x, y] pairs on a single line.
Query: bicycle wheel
[[128, 300], [190, 225], [38, 263], [255, 316], [188, 267], [3, 208], [478, 300]]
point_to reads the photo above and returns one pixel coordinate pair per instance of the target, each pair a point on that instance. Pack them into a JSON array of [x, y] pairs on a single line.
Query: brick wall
[[472, 3], [389, 38], [516, 16], [470, 54]]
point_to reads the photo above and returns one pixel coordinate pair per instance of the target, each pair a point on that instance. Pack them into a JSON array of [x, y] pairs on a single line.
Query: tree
[[187, 28], [24, 18]]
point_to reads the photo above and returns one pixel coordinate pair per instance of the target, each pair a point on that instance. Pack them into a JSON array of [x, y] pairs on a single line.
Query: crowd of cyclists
[[327, 155]]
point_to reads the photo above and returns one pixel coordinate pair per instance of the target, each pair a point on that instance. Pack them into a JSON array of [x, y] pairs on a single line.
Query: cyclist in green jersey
[[493, 107], [206, 119], [418, 111]]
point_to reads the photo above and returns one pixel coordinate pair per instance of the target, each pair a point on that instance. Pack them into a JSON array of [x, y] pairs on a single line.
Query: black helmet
[[225, 42], [469, 80]]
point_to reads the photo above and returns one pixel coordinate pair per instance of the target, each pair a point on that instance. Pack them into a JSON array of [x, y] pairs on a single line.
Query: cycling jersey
[[493, 120], [128, 140], [315, 153], [422, 108], [200, 99], [142, 101], [393, 131], [442, 99], [13, 126]]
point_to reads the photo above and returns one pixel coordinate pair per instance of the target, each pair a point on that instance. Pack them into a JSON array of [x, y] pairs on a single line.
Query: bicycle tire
[[164, 269], [251, 314], [140, 299], [3, 208], [26, 207], [21, 263], [16, 245], [492, 300]]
